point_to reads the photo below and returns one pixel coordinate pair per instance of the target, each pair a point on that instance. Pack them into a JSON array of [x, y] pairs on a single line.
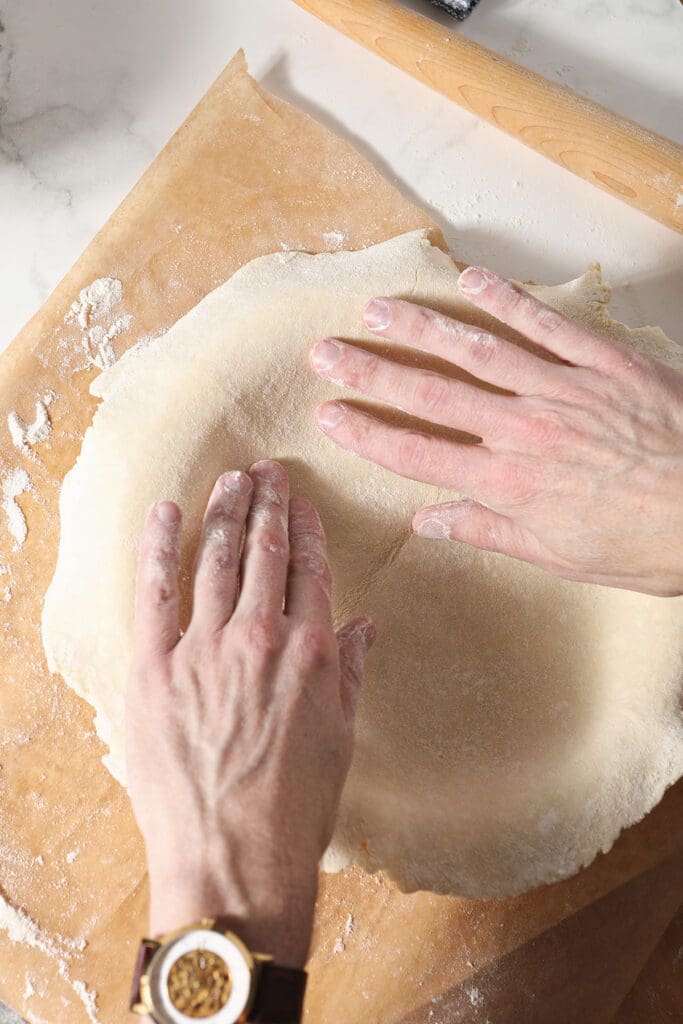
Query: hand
[[581, 466], [239, 734]]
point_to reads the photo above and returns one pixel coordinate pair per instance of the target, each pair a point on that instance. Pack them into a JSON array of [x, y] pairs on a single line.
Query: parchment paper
[[246, 175]]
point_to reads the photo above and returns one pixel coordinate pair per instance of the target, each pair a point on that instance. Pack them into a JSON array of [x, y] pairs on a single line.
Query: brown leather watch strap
[[146, 951], [279, 995]]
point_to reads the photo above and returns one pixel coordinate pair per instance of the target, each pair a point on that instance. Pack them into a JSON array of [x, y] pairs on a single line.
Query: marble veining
[[90, 91]]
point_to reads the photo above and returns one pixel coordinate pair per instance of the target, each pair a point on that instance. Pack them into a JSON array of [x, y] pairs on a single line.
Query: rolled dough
[[511, 724]]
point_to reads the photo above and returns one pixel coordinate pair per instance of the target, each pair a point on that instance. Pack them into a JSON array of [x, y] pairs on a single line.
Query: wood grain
[[621, 157]]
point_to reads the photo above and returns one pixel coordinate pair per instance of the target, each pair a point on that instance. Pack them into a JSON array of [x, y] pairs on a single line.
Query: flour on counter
[[88, 998], [15, 482], [98, 343], [475, 996], [334, 240], [71, 856], [97, 302], [22, 928], [25, 435]]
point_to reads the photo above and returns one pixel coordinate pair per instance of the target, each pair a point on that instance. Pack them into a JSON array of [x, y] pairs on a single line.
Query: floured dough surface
[[511, 724]]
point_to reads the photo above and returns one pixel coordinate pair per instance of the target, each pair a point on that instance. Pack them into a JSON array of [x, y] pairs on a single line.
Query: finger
[[481, 527], [355, 640], [420, 392], [513, 305], [218, 557], [309, 583], [266, 547], [479, 352], [157, 600], [469, 468]]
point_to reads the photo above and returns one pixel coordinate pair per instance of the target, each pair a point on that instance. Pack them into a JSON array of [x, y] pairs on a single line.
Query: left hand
[[240, 732], [580, 467]]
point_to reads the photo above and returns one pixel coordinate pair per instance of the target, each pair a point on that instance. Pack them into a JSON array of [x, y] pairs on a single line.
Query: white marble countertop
[[90, 90]]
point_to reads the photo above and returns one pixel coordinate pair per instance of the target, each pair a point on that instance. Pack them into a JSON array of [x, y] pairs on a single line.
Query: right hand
[[239, 734], [580, 470]]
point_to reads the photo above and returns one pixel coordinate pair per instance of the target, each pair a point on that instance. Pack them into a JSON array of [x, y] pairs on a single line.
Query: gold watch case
[[200, 972]]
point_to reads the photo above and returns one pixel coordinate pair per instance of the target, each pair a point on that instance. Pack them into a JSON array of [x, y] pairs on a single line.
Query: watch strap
[[279, 995], [146, 951]]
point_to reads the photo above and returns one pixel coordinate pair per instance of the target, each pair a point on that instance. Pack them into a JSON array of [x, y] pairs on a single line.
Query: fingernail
[[377, 314], [326, 353], [235, 481], [167, 513], [330, 415], [433, 529], [472, 281], [268, 470]]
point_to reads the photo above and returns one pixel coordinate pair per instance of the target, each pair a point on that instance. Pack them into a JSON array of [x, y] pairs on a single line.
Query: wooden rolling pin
[[620, 156]]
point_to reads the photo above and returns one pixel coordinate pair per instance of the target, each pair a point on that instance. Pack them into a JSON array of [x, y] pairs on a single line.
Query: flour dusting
[[22, 928], [15, 482], [97, 342], [26, 435], [88, 998], [334, 240], [475, 996], [97, 302]]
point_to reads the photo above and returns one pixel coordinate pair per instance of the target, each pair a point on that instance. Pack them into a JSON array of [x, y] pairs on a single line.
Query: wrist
[[271, 910]]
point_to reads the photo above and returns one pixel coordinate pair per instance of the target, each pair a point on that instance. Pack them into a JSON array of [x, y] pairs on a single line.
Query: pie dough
[[511, 724]]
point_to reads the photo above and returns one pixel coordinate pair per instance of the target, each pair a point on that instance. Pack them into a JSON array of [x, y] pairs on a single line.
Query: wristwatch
[[205, 972]]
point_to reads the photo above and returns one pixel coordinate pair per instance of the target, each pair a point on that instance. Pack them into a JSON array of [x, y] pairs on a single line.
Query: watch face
[[201, 974], [199, 983]]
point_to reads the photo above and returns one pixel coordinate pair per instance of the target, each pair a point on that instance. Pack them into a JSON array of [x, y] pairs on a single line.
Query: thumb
[[355, 640], [474, 524]]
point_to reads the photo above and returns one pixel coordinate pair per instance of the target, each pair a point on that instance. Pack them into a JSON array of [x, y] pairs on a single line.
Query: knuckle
[[315, 647], [262, 634], [313, 563], [221, 560], [548, 319], [412, 451], [510, 297], [361, 370], [482, 348], [361, 431], [431, 392], [270, 541], [546, 429], [628, 363], [424, 323], [160, 591]]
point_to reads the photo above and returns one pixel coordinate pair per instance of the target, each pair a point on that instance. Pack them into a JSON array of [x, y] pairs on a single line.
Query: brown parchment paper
[[245, 175]]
